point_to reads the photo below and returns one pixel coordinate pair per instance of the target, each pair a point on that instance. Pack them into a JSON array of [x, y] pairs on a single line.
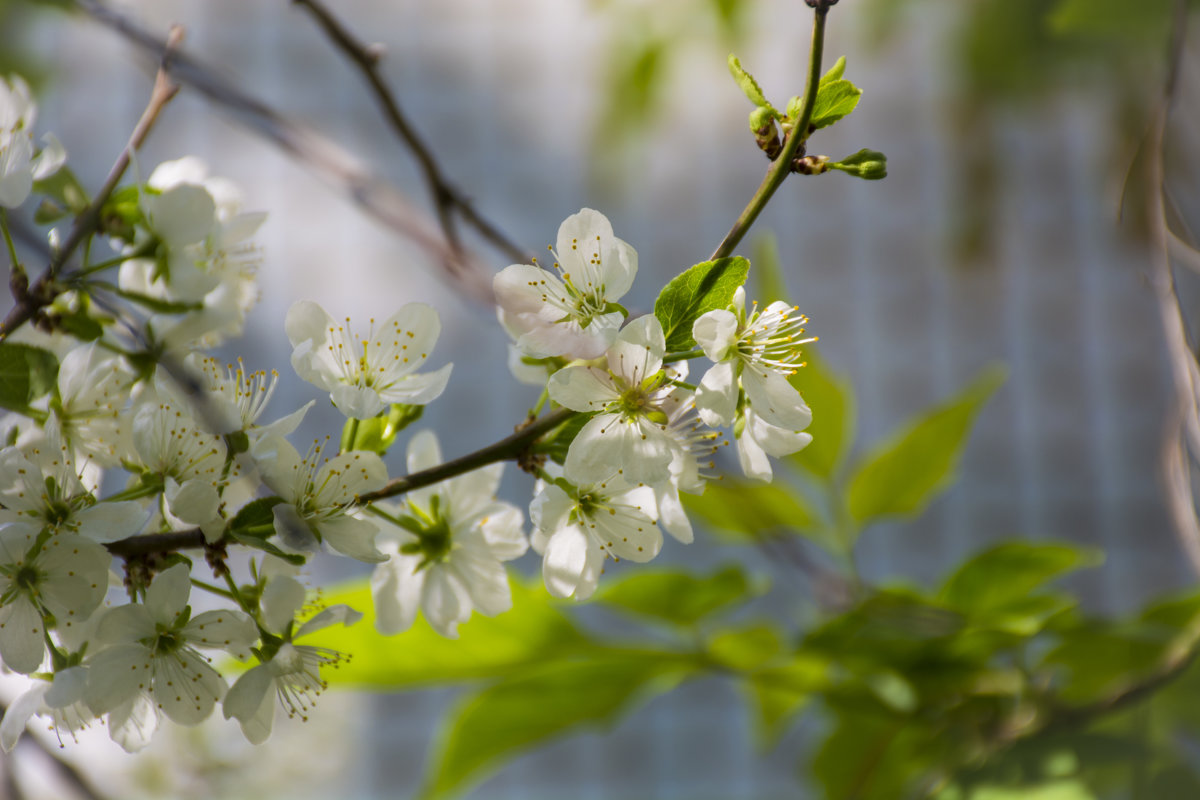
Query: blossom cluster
[[649, 434], [129, 447]]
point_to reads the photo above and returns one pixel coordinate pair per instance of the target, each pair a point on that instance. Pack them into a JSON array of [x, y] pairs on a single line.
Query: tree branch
[[507, 449], [41, 293], [781, 167], [447, 199], [376, 197]]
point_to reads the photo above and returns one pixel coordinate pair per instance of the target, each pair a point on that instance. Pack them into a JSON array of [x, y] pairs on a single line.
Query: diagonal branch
[[376, 197], [447, 199], [30, 299]]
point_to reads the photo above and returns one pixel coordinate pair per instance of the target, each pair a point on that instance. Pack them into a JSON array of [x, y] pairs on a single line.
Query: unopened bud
[[870, 165]]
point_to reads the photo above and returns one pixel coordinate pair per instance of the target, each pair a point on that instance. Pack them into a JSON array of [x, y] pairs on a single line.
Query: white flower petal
[[566, 559], [716, 333], [351, 537], [396, 589], [717, 396], [21, 635], [251, 701], [582, 388]]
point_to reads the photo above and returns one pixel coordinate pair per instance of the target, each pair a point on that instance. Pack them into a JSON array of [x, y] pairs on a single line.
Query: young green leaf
[[678, 597], [1009, 573], [26, 373], [835, 99], [528, 708], [255, 519], [835, 72], [753, 510], [64, 189], [747, 84], [770, 280], [536, 630], [778, 693], [901, 476], [705, 287]]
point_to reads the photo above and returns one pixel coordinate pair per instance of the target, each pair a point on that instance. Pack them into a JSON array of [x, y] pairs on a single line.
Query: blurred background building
[[993, 240]]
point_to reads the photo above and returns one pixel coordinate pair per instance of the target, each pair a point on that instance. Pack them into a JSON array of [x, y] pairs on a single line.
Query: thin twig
[[1176, 467], [781, 167], [318, 153], [39, 294], [447, 199]]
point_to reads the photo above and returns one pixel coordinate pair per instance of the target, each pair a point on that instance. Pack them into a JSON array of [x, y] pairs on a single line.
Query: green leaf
[[678, 597], [80, 324], [64, 189], [835, 99], [26, 373], [870, 757], [533, 632], [778, 693], [745, 649], [904, 474], [256, 519], [705, 287], [831, 398], [527, 709], [770, 281], [835, 72], [747, 84], [752, 510], [1007, 574]]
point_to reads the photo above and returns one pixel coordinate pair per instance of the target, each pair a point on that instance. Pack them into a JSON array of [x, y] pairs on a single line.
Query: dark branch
[[31, 299], [447, 199], [377, 197]]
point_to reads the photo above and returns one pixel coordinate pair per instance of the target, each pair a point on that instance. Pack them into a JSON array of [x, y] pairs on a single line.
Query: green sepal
[[870, 165], [377, 434]]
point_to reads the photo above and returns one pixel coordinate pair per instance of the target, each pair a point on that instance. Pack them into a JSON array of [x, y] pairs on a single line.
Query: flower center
[[27, 578]]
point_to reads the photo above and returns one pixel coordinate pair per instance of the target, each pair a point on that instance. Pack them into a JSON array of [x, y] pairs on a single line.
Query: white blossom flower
[[19, 168], [629, 430], [577, 527], [190, 461], [748, 385], [60, 699], [288, 672], [62, 575], [318, 494], [363, 377], [575, 315], [94, 387], [41, 487], [151, 664], [761, 351], [203, 236], [446, 548]]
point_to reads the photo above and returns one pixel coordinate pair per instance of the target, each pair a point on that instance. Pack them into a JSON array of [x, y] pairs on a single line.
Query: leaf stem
[[781, 167]]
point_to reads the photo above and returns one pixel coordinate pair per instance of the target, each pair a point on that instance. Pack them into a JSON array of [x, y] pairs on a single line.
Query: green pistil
[[27, 579], [166, 641]]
